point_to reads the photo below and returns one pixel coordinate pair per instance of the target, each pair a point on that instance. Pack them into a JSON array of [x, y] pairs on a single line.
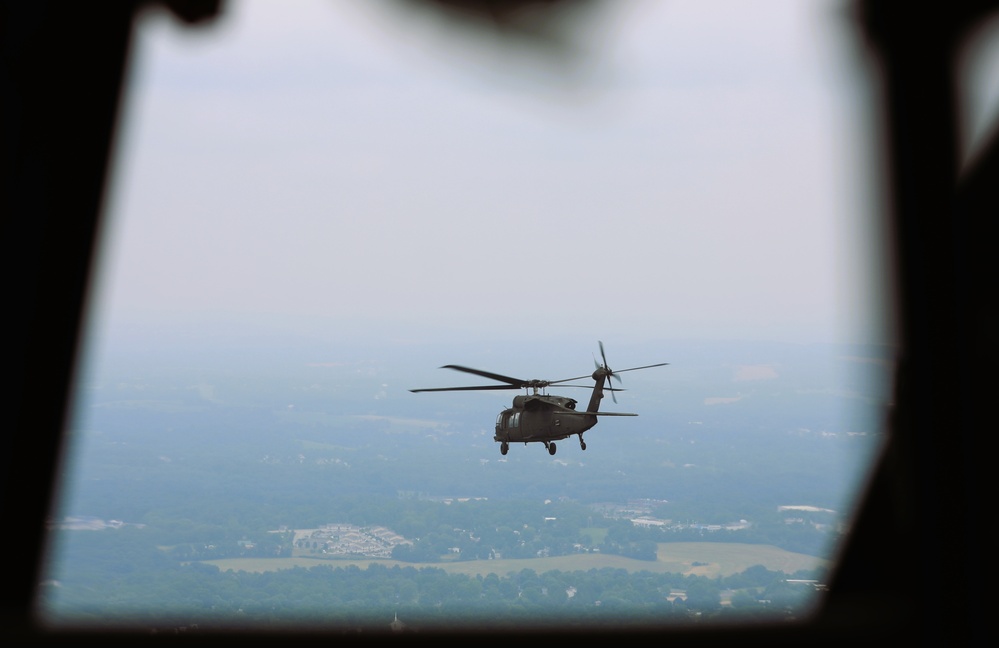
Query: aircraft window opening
[[508, 419]]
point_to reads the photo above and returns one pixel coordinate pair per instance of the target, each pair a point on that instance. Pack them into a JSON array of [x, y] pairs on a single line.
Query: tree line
[[122, 580], [468, 530]]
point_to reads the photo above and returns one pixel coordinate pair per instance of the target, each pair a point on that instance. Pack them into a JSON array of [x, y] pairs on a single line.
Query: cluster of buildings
[[346, 540]]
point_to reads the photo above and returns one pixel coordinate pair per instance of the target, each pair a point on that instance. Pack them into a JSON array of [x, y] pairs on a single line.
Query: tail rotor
[[604, 370]]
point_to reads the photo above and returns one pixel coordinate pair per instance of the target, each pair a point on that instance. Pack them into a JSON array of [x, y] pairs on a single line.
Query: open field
[[701, 558]]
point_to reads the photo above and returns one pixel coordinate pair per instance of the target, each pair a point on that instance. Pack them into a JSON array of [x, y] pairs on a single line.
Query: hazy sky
[[705, 170]]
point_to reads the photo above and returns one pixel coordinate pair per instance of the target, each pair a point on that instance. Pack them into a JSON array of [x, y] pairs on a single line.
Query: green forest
[[152, 575]]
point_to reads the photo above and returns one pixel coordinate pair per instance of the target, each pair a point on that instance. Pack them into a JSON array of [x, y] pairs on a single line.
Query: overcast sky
[[702, 170]]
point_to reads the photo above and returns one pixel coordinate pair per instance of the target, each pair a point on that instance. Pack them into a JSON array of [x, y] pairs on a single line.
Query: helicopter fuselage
[[541, 418]]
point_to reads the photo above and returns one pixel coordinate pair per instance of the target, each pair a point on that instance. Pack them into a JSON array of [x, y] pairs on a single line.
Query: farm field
[[700, 558]]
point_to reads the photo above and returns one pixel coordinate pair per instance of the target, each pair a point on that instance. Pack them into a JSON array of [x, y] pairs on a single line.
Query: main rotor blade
[[516, 382], [661, 364], [565, 380], [613, 389], [474, 388]]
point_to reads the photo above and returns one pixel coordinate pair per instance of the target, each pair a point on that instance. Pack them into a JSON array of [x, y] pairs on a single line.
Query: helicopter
[[539, 417]]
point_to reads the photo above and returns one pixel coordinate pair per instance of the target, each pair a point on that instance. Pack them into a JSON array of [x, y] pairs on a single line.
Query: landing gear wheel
[[551, 448], [504, 448], [582, 444]]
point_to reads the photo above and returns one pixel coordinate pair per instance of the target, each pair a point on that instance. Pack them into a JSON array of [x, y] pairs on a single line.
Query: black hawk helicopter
[[538, 417]]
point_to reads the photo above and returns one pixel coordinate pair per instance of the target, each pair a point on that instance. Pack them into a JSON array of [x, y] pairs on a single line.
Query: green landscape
[[710, 559], [211, 496], [563, 562]]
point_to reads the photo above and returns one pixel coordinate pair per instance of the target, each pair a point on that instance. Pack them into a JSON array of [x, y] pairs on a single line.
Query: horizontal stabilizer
[[596, 414]]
